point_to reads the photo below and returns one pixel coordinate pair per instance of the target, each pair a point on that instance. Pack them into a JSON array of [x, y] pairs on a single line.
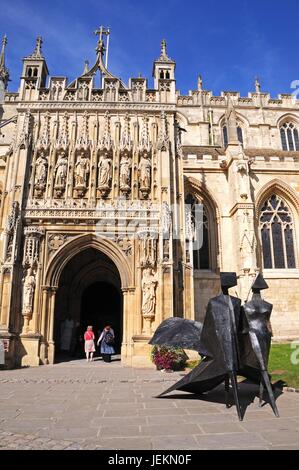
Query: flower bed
[[167, 358]]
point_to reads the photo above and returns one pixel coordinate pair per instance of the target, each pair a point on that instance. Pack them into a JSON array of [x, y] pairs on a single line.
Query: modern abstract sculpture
[[178, 332], [256, 340], [232, 341]]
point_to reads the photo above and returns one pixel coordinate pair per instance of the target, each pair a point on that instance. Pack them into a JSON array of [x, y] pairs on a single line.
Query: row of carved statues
[[82, 170]]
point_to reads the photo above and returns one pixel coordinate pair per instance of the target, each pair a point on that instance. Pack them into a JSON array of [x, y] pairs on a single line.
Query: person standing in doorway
[[107, 341], [89, 343]]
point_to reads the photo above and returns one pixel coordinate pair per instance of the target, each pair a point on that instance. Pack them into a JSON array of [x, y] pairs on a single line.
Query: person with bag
[[89, 343], [107, 342]]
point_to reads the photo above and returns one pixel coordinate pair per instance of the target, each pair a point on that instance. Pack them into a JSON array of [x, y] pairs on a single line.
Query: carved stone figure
[[82, 169], [148, 251], [166, 218], [41, 167], [243, 172], [125, 172], [144, 173], [149, 284], [256, 342], [28, 293], [10, 244], [105, 171], [61, 171]]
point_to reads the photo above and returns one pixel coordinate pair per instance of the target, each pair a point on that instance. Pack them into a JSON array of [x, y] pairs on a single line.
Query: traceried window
[[289, 136], [201, 256], [277, 234], [225, 135]]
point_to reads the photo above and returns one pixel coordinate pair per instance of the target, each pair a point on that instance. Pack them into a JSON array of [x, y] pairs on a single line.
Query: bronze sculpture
[[232, 341]]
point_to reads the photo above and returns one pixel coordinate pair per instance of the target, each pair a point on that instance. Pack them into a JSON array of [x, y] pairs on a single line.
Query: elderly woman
[[107, 340], [89, 343]]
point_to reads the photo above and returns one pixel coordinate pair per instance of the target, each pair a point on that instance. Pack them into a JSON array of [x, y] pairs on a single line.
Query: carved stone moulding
[[103, 191], [39, 189], [144, 192], [81, 190], [59, 190], [34, 230]]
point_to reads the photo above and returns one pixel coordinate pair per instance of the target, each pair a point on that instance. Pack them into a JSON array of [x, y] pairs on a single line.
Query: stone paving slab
[[79, 405]]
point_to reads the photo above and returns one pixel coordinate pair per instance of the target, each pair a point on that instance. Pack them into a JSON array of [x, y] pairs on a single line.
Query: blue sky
[[228, 42]]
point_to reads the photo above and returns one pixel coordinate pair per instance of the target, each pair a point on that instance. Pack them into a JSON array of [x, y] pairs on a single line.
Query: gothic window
[[167, 75], [162, 74], [277, 234], [225, 135], [289, 136], [240, 134], [201, 256]]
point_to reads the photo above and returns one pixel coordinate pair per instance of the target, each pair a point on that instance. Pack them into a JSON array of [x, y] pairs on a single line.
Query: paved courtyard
[[79, 405]]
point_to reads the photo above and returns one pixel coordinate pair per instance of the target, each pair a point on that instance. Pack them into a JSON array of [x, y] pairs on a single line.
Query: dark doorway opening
[[89, 293], [101, 306]]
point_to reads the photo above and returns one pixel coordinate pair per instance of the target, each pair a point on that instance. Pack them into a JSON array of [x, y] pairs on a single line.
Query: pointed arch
[[282, 189], [286, 117], [211, 216], [80, 243], [277, 214], [288, 126]]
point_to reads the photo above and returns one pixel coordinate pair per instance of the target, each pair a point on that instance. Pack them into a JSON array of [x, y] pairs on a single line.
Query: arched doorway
[[89, 293]]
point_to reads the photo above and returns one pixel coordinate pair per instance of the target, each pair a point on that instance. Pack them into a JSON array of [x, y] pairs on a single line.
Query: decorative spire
[[4, 73], [231, 120], [257, 85], [199, 83], [86, 67], [164, 57], [37, 53]]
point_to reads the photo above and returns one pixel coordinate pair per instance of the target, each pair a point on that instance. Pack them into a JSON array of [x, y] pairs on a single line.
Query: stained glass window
[[277, 234], [201, 256], [289, 136]]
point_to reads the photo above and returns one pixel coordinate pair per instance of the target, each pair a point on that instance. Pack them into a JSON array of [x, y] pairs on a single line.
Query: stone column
[[43, 327], [51, 350]]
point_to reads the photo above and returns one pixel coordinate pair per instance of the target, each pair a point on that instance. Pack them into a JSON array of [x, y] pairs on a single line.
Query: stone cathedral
[[100, 184]]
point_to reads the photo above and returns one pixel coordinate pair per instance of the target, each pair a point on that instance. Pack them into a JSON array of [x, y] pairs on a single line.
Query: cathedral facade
[[121, 204]]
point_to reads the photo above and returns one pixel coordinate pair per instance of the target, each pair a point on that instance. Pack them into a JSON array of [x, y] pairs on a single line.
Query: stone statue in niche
[[82, 169], [144, 173], [60, 173], [41, 172], [104, 172], [166, 218], [149, 283], [125, 172], [28, 292]]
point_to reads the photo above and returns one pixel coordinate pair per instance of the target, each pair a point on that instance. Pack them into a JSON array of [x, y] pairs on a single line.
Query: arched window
[[162, 74], [167, 75], [277, 234], [289, 136], [225, 135], [201, 256]]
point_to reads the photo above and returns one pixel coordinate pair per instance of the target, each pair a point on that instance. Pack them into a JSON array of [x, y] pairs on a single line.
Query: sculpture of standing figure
[[144, 172], [124, 174], [256, 342], [82, 169], [28, 293], [61, 170], [41, 167], [105, 173], [148, 284]]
